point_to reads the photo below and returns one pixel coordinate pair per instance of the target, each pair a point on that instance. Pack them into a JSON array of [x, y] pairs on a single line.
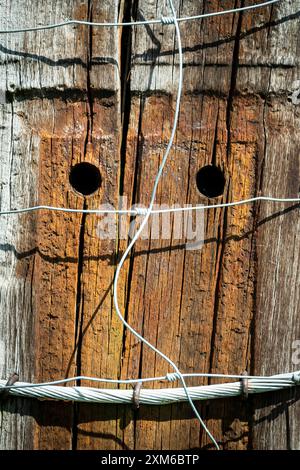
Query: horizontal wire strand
[[143, 211], [162, 20]]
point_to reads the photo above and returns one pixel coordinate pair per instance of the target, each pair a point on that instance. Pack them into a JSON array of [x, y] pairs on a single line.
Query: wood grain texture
[[107, 96]]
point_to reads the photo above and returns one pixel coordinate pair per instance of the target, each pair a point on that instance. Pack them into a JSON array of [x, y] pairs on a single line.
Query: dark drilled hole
[[210, 181], [85, 178]]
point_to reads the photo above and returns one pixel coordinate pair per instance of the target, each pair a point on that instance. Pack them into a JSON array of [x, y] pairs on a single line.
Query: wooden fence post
[[86, 115]]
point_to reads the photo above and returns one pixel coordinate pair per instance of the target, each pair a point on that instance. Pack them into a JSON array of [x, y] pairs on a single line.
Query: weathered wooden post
[[86, 114]]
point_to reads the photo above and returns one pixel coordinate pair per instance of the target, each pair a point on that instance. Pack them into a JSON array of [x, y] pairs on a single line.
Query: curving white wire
[[164, 20], [144, 211], [152, 396], [147, 215]]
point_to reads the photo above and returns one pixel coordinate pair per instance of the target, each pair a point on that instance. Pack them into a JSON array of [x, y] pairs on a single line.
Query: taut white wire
[[147, 215], [163, 20], [143, 211]]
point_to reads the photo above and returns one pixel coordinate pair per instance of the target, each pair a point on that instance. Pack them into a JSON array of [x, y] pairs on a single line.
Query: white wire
[[171, 377], [144, 211], [66, 209], [163, 20], [147, 215], [228, 204], [152, 396]]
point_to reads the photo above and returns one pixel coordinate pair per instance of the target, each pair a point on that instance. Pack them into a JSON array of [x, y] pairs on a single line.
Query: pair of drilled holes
[[85, 178]]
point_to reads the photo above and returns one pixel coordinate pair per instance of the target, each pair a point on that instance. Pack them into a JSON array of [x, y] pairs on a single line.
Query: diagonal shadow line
[[278, 410], [85, 329], [151, 53], [222, 41], [260, 223], [102, 435], [111, 257], [51, 259], [66, 62]]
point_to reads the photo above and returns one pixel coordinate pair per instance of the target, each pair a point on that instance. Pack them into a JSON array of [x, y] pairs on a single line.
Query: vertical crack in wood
[[78, 323], [136, 190], [125, 59], [79, 316], [135, 193], [254, 256], [222, 229], [253, 270], [126, 10], [234, 72], [130, 11], [11, 151], [126, 50], [260, 166], [185, 251], [214, 149], [89, 132], [222, 239], [125, 67]]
